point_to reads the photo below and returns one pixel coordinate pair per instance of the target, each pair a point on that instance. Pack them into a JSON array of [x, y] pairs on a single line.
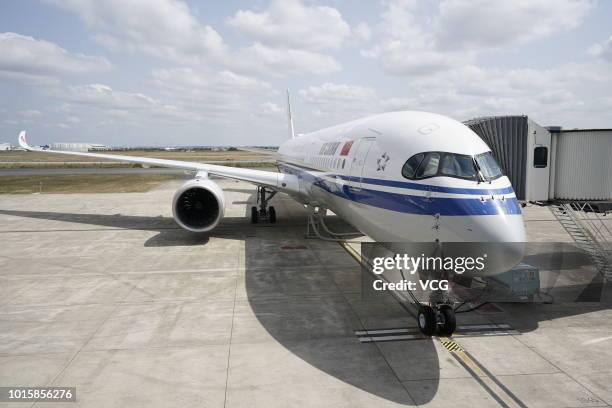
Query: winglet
[[22, 140], [290, 118]]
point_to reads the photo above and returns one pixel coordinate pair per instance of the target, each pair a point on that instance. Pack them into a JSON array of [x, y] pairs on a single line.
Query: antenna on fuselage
[[290, 118]]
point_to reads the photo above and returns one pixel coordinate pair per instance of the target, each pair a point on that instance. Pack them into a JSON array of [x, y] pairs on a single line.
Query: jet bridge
[[570, 171], [550, 163]]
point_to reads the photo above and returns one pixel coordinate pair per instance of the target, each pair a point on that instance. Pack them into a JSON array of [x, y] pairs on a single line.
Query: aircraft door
[[359, 160]]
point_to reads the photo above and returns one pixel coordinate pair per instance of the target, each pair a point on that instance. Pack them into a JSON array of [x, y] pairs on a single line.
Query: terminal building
[[79, 147]]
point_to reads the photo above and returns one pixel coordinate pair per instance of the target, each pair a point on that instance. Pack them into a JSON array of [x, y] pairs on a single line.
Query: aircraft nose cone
[[504, 240], [502, 228]]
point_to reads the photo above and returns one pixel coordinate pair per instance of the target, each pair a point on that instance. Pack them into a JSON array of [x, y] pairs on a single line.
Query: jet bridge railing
[[590, 232]]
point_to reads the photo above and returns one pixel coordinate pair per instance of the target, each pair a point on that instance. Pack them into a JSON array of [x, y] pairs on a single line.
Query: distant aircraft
[[396, 177]]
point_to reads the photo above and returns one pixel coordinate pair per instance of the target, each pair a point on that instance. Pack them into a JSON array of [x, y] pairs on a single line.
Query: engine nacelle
[[198, 205]]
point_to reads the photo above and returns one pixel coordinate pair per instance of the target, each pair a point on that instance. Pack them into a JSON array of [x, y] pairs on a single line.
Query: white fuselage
[[355, 170]]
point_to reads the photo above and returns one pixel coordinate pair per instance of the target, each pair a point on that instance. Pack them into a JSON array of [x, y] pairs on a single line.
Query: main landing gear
[[262, 211], [438, 319]]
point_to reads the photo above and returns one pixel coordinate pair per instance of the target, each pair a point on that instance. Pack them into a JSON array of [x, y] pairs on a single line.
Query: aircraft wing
[[278, 181]]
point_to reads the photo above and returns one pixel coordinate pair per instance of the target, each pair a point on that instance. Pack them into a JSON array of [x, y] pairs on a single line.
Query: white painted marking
[[385, 331], [599, 340], [387, 338], [484, 326]]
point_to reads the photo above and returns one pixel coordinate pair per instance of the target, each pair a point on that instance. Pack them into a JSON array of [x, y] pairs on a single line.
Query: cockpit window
[[411, 165], [458, 165], [488, 166], [429, 165]]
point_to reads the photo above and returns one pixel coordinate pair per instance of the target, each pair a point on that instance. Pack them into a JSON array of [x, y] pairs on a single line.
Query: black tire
[[254, 215], [449, 321], [272, 215], [426, 319]]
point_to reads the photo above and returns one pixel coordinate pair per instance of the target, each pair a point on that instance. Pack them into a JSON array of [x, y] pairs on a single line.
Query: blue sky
[[170, 72]]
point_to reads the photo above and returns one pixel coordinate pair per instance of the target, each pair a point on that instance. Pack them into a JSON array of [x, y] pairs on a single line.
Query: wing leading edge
[[278, 181]]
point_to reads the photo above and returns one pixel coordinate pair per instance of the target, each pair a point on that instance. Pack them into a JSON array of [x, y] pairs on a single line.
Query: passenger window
[[540, 156], [411, 165], [429, 166]]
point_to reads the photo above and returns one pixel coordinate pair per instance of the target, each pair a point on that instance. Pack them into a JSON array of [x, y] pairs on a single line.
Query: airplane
[[406, 176]]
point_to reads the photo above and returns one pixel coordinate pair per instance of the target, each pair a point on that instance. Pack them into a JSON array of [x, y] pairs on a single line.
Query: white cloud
[[336, 93], [602, 50], [485, 23], [362, 32], [405, 47], [38, 61], [21, 117], [271, 108], [30, 113], [169, 30], [332, 103], [554, 95], [58, 125], [292, 24], [208, 94], [104, 96], [128, 107], [262, 59], [160, 28], [414, 43]]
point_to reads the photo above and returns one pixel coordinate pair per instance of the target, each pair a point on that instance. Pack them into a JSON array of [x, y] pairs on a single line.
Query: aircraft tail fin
[[290, 118]]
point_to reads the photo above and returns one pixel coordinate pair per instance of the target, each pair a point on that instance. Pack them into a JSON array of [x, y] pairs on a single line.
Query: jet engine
[[198, 205]]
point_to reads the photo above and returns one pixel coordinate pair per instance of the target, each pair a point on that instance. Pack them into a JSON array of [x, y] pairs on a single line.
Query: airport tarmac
[[105, 293]]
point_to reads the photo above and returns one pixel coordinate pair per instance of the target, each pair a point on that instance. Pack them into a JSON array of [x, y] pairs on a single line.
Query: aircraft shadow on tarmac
[[318, 327]]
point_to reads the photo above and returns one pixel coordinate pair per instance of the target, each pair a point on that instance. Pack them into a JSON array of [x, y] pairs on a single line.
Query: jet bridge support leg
[[263, 211]]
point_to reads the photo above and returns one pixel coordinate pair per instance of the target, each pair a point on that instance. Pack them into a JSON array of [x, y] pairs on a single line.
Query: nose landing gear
[[439, 318], [262, 211]]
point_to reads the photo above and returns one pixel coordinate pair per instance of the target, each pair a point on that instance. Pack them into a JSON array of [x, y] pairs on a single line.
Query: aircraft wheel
[[254, 215], [448, 322], [426, 319], [272, 215]]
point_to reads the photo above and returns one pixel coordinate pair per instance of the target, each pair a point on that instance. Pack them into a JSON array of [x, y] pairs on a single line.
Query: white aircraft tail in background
[[289, 117]]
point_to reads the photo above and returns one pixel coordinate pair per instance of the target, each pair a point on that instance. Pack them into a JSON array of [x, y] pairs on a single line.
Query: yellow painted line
[[456, 349], [348, 248]]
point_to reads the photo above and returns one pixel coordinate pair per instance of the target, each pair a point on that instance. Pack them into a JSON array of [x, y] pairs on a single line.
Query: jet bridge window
[[540, 156]]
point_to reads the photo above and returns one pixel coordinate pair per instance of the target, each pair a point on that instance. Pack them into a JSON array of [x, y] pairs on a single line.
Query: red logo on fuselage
[[346, 148]]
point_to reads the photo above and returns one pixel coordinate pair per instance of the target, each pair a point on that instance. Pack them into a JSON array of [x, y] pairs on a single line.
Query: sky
[[172, 72]]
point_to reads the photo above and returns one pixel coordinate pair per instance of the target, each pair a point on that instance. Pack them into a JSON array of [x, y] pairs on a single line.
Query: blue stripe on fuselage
[[428, 187], [412, 204]]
